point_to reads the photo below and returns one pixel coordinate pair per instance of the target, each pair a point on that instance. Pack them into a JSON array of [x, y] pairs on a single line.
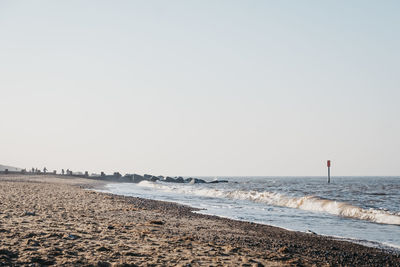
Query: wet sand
[[52, 220]]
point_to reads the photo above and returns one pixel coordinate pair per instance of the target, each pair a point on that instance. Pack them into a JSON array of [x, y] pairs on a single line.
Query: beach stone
[[134, 254], [73, 237], [102, 248], [103, 264], [231, 249], [125, 265], [42, 261], [283, 249], [8, 253], [32, 242], [157, 222]]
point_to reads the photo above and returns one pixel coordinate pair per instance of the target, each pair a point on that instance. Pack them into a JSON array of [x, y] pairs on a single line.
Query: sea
[[364, 210]]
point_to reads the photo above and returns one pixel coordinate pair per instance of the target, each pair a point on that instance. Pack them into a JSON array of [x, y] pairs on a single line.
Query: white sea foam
[[308, 203]]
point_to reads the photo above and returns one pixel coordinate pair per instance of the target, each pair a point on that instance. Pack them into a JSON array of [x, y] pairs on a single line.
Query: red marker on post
[[328, 163]]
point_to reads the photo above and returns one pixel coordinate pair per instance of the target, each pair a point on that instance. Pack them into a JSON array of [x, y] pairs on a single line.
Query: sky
[[201, 88]]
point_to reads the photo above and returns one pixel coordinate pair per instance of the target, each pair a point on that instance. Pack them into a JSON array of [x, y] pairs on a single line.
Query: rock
[[126, 265], [30, 213], [218, 181], [103, 249], [154, 178], [73, 237], [283, 249], [126, 179], [156, 222], [103, 264], [147, 176], [231, 249], [179, 180], [169, 180], [32, 242], [196, 181], [8, 253], [137, 178], [134, 254], [42, 261]]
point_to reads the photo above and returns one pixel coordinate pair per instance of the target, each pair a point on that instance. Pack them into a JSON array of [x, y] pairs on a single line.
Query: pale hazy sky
[[201, 87]]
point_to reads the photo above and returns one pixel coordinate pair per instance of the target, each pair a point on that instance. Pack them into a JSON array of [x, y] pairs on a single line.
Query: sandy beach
[[54, 220]]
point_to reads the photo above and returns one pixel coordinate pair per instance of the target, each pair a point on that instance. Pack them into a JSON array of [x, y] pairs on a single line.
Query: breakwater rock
[[117, 177], [136, 178]]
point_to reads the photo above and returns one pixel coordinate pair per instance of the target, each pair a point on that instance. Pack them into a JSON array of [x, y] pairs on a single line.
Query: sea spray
[[366, 209], [308, 203]]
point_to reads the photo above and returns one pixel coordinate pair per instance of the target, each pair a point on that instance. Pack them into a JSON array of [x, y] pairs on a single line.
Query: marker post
[[328, 163]]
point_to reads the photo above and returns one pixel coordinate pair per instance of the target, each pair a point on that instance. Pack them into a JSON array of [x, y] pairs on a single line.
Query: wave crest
[[308, 203]]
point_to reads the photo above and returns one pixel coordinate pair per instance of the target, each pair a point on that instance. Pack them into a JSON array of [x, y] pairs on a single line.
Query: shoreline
[[92, 228], [391, 248]]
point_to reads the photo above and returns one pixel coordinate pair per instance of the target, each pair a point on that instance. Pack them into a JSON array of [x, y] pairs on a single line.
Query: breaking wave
[[308, 203]]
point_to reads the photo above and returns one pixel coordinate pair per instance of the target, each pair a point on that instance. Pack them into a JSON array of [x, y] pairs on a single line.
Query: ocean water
[[364, 210]]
